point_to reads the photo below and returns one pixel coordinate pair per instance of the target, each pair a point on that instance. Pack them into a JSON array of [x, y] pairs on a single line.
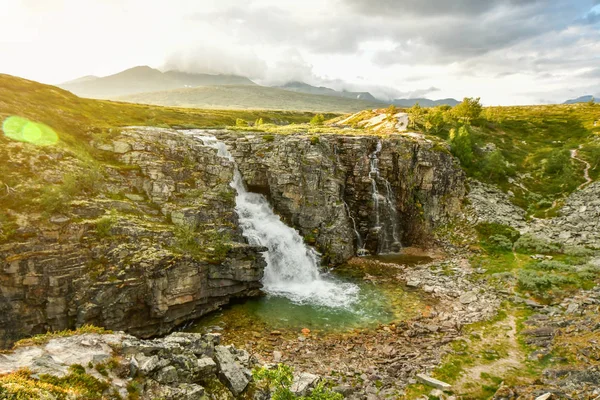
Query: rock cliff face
[[144, 237], [324, 187], [151, 244]]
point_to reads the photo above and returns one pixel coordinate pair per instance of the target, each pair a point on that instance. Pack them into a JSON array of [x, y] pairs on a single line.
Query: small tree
[[469, 110], [461, 145], [592, 102], [494, 165], [415, 115], [240, 122], [317, 119], [259, 122], [434, 119]]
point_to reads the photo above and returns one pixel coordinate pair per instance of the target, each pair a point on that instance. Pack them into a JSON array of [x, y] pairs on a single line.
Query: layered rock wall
[[322, 185], [155, 246]]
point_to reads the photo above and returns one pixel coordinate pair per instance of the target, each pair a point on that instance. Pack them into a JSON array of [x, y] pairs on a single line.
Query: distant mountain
[[425, 102], [302, 87], [81, 80], [250, 97], [582, 99], [145, 79]]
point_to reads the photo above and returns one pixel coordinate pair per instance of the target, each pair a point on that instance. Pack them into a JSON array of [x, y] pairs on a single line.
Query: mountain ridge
[[303, 87], [582, 99], [145, 79]]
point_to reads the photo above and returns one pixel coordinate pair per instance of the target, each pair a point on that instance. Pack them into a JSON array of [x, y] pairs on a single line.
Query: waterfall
[[292, 269], [386, 215], [374, 175]]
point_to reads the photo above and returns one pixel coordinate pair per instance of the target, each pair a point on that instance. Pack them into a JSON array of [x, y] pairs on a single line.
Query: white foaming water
[[292, 267]]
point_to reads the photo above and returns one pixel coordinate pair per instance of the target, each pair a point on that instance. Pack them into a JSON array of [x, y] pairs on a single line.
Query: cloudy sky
[[505, 51]]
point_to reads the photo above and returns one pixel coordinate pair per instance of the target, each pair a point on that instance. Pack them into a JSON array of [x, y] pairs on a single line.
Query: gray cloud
[[591, 18], [428, 8], [216, 60]]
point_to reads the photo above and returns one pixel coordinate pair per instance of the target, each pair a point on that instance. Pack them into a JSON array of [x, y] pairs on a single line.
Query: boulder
[[231, 373]]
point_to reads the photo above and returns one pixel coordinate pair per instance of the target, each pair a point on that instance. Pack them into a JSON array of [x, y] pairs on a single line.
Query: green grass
[[533, 145], [78, 120], [243, 97], [46, 337]]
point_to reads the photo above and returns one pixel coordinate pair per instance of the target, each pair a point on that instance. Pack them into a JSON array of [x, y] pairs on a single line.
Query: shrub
[[552, 265], [468, 110], [579, 251], [240, 122], [500, 242], [105, 224], [558, 162], [276, 382], [487, 229], [497, 237], [314, 140], [318, 119], [538, 282], [461, 145], [268, 138], [529, 243]]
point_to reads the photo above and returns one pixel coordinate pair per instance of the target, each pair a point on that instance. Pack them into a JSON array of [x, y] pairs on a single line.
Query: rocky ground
[[178, 366], [379, 363], [577, 223], [568, 336]]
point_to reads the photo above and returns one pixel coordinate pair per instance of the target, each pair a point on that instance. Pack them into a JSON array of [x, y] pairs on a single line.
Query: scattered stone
[[413, 283], [544, 396], [427, 380], [468, 298], [303, 382]]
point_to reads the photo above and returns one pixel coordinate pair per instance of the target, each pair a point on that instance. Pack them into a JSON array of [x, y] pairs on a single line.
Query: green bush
[[531, 244], [276, 382], [105, 224], [318, 119], [487, 229], [579, 251], [558, 162], [497, 237], [314, 140], [240, 122], [268, 138], [500, 242], [552, 265], [540, 281], [461, 145]]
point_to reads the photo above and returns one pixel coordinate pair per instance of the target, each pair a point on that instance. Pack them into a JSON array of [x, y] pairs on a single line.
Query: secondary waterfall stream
[[384, 208], [292, 267]]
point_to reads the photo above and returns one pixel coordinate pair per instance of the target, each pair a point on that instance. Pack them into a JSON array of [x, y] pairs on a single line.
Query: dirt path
[[586, 176], [586, 171], [511, 363]]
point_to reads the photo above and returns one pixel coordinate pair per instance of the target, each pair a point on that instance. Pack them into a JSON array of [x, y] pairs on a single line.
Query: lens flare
[[24, 130]]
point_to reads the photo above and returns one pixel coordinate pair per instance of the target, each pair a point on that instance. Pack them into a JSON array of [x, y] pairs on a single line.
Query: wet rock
[[232, 375]]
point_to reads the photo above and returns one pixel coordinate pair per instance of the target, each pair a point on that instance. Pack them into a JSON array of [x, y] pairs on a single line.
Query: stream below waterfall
[[298, 293]]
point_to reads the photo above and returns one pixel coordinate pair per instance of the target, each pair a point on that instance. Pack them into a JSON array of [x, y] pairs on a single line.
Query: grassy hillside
[[250, 97], [301, 87], [77, 120], [537, 153]]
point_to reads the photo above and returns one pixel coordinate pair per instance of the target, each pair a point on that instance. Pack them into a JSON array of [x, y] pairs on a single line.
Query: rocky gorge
[[149, 239], [146, 236]]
